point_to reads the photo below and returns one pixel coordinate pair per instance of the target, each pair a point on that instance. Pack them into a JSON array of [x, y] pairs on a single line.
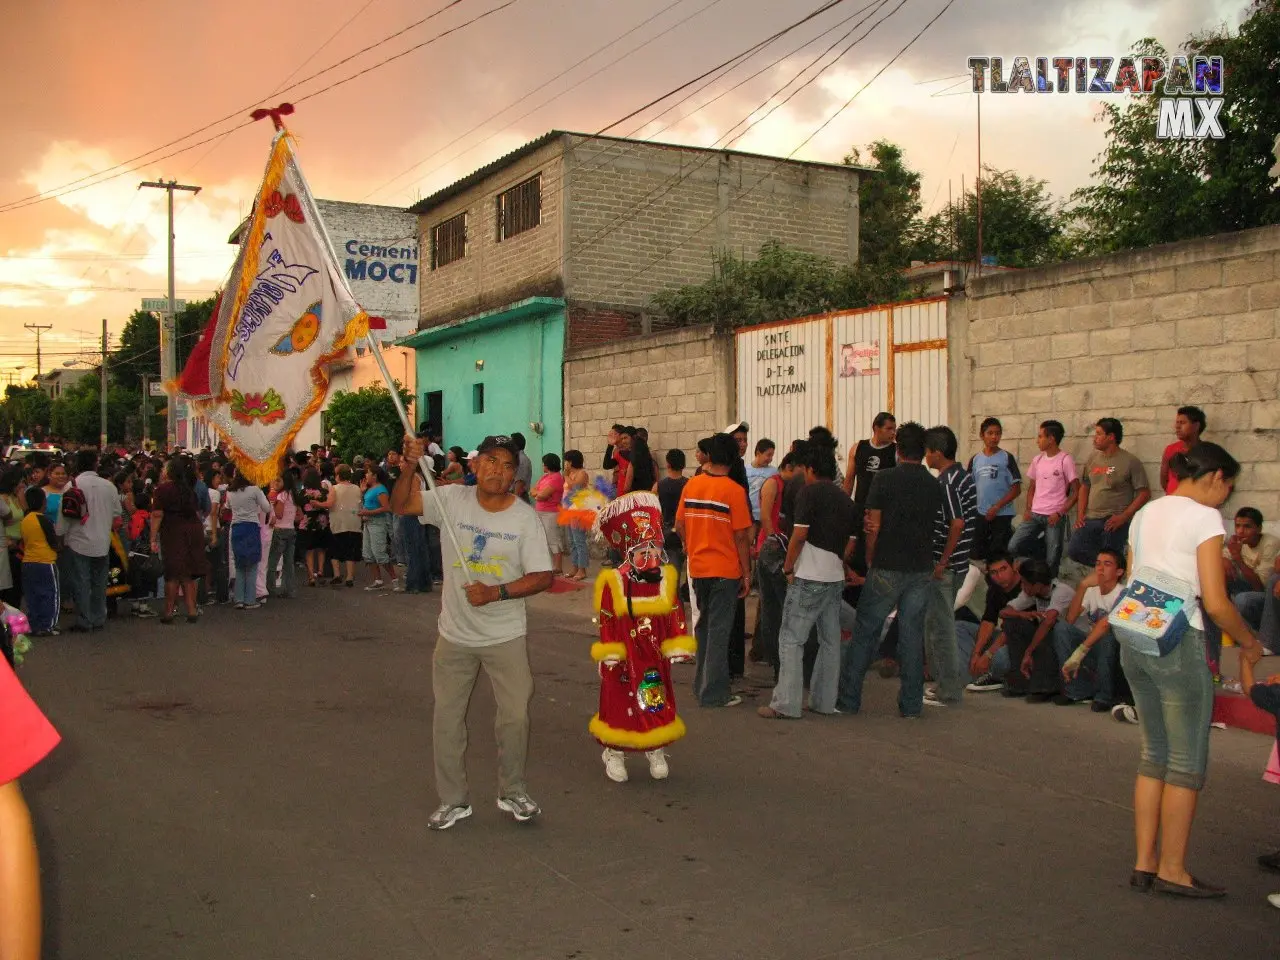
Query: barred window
[[449, 241], [520, 208]]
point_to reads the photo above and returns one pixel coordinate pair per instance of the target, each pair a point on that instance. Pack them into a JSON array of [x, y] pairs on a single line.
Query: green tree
[[365, 422], [1147, 191], [76, 414], [1022, 224], [889, 208], [781, 282], [139, 350], [25, 411]]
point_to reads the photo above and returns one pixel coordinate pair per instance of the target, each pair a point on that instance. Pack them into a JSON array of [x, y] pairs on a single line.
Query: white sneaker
[[1274, 900], [615, 765], [252, 606], [1124, 713], [376, 585], [658, 768], [446, 816]]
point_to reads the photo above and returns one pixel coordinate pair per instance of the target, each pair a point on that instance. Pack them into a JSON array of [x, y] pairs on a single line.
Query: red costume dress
[[642, 631]]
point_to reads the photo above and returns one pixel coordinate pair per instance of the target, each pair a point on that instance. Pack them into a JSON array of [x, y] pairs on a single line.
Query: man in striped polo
[[953, 535]]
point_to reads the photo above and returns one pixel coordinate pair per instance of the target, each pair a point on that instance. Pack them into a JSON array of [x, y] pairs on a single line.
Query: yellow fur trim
[[680, 646], [664, 602], [630, 740], [608, 651]]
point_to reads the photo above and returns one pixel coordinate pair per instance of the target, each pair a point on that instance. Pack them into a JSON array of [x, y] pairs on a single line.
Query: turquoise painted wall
[[522, 376]]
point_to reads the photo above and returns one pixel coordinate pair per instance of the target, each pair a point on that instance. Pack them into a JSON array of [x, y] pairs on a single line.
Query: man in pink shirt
[[1054, 485], [1187, 427]]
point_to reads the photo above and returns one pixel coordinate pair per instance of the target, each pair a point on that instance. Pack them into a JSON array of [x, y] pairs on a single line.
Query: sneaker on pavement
[[144, 612], [1124, 713], [985, 683], [376, 585], [1274, 900], [447, 814], [932, 699], [733, 701], [253, 606], [615, 765], [520, 806], [1101, 706], [658, 768], [1270, 861], [1062, 700]]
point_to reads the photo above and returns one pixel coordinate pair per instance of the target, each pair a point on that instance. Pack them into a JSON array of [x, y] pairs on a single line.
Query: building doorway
[[433, 409]]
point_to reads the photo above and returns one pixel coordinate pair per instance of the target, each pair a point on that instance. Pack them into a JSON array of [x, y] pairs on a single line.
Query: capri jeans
[[579, 555], [1173, 695], [377, 539]]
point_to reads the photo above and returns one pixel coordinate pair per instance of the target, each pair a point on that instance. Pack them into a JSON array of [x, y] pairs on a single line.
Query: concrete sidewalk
[[258, 785]]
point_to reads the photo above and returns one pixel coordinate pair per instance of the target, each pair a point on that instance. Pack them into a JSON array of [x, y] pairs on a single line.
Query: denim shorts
[[1173, 695]]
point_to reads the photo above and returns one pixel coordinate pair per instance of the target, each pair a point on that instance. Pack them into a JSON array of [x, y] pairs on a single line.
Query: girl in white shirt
[[1180, 535]]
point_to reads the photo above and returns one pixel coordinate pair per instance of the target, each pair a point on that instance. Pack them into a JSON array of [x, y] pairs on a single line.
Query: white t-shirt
[[1095, 604], [818, 565], [246, 505], [501, 547], [1164, 535], [1060, 597]]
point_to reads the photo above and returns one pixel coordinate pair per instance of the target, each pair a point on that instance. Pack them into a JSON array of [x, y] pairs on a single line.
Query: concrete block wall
[[1134, 336], [678, 384], [628, 207], [493, 274], [377, 247]]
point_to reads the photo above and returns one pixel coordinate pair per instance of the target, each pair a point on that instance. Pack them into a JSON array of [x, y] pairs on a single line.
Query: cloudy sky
[[90, 86]]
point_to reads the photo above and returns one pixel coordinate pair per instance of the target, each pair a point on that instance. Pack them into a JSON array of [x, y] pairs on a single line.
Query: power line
[[126, 166], [546, 84], [799, 146], [664, 189]]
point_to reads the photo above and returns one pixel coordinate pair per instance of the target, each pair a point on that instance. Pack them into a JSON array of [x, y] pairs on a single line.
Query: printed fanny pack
[[1151, 614]]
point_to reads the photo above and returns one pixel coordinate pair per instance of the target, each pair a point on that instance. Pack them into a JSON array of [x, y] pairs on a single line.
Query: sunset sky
[[92, 84]]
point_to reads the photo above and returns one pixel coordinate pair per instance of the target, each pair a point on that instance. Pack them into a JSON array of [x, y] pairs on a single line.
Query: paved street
[[257, 786]]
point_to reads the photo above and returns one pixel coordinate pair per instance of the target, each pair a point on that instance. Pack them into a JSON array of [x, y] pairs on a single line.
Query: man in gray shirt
[[524, 469], [482, 623], [88, 543]]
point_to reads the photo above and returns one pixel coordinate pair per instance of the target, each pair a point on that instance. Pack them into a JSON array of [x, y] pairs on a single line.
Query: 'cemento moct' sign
[[371, 261]]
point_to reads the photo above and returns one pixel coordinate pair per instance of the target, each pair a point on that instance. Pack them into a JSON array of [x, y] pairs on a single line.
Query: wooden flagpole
[[427, 467]]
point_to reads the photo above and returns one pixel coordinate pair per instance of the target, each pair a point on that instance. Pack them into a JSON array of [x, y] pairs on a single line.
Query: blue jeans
[[1245, 599], [1097, 677], [433, 551], [967, 640], [1093, 537], [884, 590], [940, 636], [1269, 619], [809, 602], [579, 555], [284, 541], [1174, 699], [417, 573], [246, 583], [88, 581], [717, 599], [1029, 531]]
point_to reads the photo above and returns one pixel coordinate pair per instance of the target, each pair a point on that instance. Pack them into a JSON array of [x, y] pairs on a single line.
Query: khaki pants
[[454, 673]]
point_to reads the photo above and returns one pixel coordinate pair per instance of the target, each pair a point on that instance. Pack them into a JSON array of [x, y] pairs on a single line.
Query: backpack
[[74, 504]]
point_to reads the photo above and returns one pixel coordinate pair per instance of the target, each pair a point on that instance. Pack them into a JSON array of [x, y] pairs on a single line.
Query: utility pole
[[39, 328], [102, 401], [168, 340], [978, 186], [146, 409]]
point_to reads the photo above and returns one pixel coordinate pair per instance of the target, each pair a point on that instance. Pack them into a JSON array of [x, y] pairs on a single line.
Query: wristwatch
[[502, 592]]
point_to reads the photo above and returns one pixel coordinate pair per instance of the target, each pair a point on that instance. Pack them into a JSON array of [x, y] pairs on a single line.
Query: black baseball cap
[[499, 442]]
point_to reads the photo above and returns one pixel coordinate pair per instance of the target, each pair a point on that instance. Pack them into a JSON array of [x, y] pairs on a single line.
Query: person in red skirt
[[642, 632]]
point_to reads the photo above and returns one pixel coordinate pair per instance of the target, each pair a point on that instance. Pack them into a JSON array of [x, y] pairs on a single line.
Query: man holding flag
[[482, 618]]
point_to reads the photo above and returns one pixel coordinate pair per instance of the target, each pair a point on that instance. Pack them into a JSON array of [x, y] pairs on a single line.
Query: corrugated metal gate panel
[[841, 369], [782, 379], [862, 354]]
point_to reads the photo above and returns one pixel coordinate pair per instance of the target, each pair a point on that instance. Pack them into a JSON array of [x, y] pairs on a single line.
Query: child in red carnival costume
[[642, 632]]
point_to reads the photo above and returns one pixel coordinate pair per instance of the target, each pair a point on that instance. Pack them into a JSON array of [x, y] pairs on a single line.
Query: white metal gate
[[841, 369]]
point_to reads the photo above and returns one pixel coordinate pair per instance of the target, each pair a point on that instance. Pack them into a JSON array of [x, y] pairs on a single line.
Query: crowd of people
[[906, 561]]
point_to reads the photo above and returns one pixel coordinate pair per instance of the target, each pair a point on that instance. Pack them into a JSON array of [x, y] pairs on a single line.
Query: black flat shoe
[[193, 619], [166, 619], [1270, 861], [1196, 890], [1141, 880]]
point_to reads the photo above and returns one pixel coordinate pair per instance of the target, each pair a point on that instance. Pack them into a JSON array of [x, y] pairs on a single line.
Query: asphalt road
[[257, 786]]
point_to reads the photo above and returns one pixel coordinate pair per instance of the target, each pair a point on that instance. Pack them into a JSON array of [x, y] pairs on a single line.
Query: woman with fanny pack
[[247, 504], [1178, 538]]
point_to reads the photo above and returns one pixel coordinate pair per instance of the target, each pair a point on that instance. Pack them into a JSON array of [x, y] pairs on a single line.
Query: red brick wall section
[[589, 326]]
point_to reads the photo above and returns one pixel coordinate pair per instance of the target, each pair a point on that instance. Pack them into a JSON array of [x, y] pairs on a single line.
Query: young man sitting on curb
[[1028, 621], [1084, 639]]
